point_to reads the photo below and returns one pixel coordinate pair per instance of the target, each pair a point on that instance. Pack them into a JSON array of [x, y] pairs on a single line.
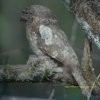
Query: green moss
[[30, 72], [46, 72], [36, 64]]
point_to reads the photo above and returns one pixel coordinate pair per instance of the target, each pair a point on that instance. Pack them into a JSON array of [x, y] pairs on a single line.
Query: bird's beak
[[23, 11], [23, 18]]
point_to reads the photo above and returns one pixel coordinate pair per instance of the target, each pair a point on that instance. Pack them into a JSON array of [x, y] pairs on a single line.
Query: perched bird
[[46, 38]]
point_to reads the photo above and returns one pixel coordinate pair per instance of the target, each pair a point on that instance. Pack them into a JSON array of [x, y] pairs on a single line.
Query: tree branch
[[87, 13], [88, 70], [37, 69]]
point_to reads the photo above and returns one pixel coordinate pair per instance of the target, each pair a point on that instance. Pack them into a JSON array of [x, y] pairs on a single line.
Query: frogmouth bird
[[46, 38]]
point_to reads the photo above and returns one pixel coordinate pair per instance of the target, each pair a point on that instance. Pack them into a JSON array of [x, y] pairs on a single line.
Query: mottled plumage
[[46, 38]]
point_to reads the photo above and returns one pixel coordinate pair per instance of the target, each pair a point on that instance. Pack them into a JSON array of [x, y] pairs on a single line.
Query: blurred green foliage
[[14, 48]]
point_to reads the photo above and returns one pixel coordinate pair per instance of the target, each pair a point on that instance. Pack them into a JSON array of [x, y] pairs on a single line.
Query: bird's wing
[[55, 44], [59, 48]]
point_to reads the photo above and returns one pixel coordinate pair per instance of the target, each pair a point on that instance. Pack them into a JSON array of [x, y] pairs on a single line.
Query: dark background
[[14, 48]]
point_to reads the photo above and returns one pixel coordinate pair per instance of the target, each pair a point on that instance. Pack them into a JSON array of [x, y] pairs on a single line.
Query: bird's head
[[37, 13]]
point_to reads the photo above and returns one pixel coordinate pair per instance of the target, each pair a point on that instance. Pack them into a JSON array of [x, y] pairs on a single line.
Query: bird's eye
[[25, 12]]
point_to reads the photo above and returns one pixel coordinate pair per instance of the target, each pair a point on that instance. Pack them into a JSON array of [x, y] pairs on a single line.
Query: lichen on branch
[[87, 14]]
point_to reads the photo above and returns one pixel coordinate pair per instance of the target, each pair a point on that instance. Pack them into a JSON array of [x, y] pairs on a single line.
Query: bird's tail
[[77, 74]]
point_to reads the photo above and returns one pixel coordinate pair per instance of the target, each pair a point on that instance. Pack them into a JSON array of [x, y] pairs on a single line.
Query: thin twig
[[52, 93], [73, 33]]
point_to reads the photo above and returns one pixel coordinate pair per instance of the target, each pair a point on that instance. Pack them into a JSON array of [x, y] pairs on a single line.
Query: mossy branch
[[87, 68], [87, 14], [37, 69]]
